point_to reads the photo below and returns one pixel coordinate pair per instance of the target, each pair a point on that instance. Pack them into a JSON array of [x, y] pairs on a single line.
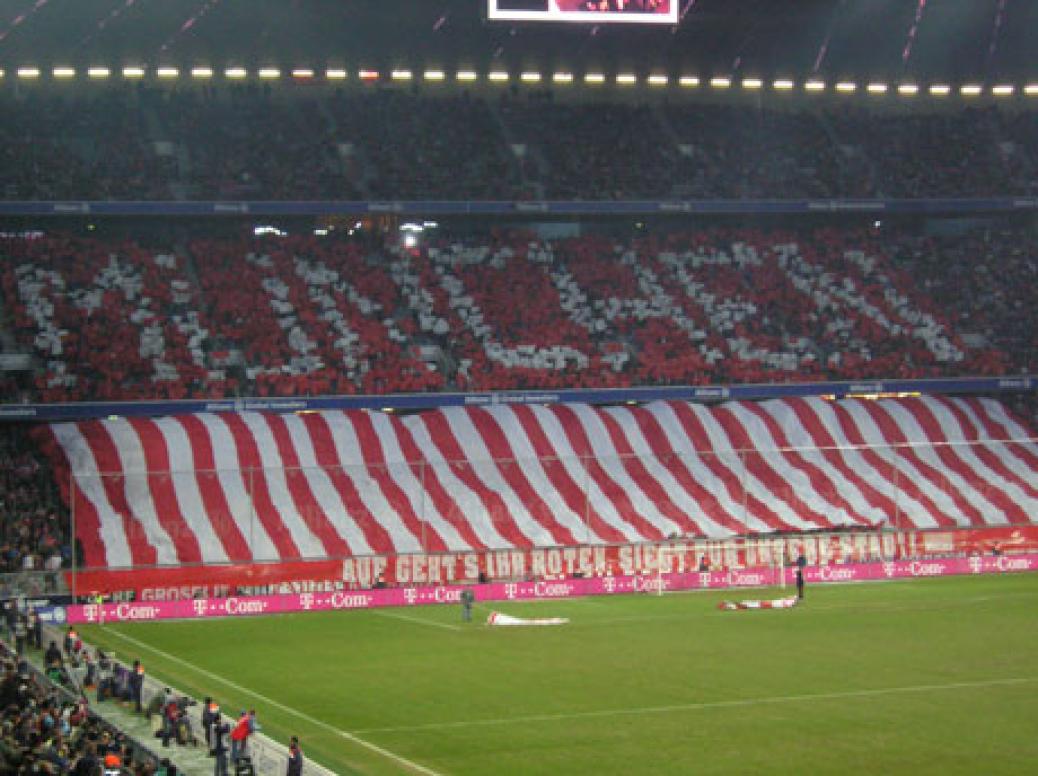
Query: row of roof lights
[[534, 76]]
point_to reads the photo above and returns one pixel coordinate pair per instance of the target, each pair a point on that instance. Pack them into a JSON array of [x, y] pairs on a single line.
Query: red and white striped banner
[[252, 487]]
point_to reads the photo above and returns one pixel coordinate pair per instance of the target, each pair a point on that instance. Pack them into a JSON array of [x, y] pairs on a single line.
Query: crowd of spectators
[[92, 146], [309, 315], [415, 147], [986, 279], [250, 142], [48, 729], [34, 525], [250, 147]]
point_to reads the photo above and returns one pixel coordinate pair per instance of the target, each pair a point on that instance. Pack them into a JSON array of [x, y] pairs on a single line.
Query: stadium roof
[[958, 40]]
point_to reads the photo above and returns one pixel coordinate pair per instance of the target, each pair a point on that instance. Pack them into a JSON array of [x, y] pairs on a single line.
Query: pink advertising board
[[538, 590]]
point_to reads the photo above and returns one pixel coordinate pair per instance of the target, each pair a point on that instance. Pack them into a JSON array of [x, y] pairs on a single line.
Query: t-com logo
[[511, 590], [976, 564], [410, 595], [306, 600], [200, 607]]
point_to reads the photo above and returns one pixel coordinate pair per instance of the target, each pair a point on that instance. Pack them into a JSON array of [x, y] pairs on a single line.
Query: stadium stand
[[723, 305], [34, 530], [247, 142], [513, 285], [47, 728]]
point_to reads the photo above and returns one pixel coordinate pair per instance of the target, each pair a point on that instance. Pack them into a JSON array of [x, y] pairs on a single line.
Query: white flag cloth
[[775, 603], [496, 618]]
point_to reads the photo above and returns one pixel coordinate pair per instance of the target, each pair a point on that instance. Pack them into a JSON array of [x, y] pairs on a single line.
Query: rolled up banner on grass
[[774, 603], [496, 618]]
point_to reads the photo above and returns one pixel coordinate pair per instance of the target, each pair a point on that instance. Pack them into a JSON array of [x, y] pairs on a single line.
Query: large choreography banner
[[613, 561], [238, 606]]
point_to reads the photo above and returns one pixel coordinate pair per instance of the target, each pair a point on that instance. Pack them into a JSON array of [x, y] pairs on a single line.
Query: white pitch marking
[[706, 705], [271, 702], [419, 620]]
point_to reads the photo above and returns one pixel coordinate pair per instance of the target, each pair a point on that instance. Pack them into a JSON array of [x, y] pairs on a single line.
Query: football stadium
[[467, 387]]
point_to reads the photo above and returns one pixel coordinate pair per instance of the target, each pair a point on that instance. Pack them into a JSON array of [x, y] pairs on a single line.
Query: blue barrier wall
[[418, 401], [461, 208]]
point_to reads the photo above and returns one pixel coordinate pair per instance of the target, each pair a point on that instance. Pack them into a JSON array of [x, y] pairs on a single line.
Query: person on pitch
[[467, 599], [801, 563]]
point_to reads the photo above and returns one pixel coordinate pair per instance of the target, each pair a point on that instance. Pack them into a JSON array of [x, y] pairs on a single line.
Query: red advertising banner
[[362, 573]]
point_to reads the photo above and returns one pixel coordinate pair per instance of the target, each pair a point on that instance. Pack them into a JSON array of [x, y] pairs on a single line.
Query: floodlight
[[752, 83], [201, 72], [783, 84], [64, 72], [720, 82], [467, 75], [876, 88], [907, 89], [167, 72], [302, 72], [401, 75], [814, 85], [594, 78], [368, 75], [530, 77], [434, 75], [562, 78], [626, 78], [846, 87], [498, 76], [98, 72], [689, 80], [28, 72], [133, 72], [658, 79], [236, 73], [335, 74], [1003, 90], [1031, 89], [939, 90], [269, 73], [970, 90]]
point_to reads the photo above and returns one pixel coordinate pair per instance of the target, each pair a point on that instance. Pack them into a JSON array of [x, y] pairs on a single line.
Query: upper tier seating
[[246, 142]]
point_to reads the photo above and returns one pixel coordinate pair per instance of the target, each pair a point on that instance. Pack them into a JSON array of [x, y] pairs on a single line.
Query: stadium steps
[[842, 157], [668, 129], [155, 132], [533, 154]]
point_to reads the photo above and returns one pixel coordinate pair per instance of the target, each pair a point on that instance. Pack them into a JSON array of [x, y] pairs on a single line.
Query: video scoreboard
[[585, 11]]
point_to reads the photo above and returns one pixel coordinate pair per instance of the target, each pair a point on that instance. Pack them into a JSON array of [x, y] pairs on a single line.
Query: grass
[[923, 676]]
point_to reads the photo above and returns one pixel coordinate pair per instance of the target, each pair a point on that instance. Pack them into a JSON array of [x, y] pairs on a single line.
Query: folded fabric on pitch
[[497, 618]]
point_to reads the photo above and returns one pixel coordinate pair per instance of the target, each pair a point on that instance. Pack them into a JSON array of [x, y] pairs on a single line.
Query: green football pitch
[[923, 676]]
